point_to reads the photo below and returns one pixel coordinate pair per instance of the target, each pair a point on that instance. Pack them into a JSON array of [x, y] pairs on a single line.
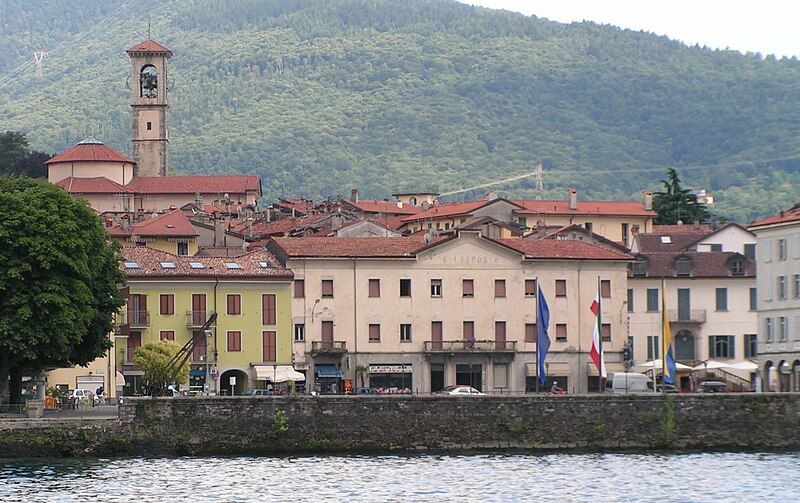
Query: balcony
[[687, 316], [462, 346], [196, 319], [138, 319], [328, 347]]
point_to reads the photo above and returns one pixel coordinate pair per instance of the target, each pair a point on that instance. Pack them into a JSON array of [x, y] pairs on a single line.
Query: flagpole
[[663, 337], [599, 337], [536, 332]]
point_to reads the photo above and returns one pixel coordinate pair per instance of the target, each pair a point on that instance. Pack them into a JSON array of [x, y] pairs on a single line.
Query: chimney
[[219, 230], [648, 200], [573, 199], [354, 195], [125, 222], [269, 213], [336, 221]]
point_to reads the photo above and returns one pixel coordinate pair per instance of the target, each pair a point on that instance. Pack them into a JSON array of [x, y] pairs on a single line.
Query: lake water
[[596, 478]]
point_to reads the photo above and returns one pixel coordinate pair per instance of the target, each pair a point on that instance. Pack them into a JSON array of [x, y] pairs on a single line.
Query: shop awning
[[611, 369], [327, 371], [278, 373], [552, 368]]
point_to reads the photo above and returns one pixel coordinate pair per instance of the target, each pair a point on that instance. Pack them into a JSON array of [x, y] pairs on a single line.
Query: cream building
[[400, 313], [779, 299]]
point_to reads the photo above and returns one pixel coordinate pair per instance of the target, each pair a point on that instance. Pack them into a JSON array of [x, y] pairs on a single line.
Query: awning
[[611, 368], [647, 366], [327, 370], [552, 368], [278, 373], [120, 379]]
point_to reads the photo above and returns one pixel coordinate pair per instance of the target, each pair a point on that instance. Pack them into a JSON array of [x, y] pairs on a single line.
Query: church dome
[[90, 150]]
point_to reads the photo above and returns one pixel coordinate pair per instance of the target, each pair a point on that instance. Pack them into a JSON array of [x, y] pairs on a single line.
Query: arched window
[[148, 82], [412, 201]]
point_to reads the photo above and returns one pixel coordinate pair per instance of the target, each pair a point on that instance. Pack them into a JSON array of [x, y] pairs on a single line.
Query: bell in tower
[[149, 106]]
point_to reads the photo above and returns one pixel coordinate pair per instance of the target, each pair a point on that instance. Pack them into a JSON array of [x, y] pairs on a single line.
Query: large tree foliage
[[319, 96], [59, 280], [17, 159], [153, 360], [676, 204]]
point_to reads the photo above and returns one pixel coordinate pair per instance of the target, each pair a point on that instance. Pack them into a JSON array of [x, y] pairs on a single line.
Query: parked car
[[460, 390], [630, 383], [365, 391], [258, 392], [81, 393], [663, 388], [712, 387]]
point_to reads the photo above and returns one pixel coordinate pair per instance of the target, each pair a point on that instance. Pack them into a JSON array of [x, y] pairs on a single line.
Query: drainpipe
[[216, 352], [580, 305], [355, 320]]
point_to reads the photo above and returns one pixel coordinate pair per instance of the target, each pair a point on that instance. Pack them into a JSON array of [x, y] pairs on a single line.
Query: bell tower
[[149, 104]]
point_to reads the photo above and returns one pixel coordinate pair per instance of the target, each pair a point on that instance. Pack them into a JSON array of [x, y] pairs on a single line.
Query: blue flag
[[542, 340]]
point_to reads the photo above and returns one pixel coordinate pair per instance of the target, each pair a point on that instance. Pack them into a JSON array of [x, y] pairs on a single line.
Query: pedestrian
[[334, 389]]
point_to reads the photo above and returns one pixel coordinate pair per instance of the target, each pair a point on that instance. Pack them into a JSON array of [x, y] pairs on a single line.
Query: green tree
[[675, 203], [153, 359], [59, 281], [17, 159]]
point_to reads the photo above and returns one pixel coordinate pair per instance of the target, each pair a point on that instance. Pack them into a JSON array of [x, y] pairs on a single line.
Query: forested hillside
[[318, 96]]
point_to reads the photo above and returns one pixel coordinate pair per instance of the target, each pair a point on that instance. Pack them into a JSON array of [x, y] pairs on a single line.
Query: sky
[[765, 26]]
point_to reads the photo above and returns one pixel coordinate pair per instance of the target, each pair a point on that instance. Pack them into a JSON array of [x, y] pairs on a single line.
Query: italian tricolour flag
[[598, 357]]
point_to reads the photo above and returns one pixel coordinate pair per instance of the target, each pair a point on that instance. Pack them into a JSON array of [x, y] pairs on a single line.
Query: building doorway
[[233, 382], [684, 345], [470, 375], [437, 377]]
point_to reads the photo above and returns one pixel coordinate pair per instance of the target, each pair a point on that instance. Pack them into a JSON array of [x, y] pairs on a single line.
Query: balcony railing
[[463, 346], [328, 347], [139, 318], [196, 319], [687, 316]]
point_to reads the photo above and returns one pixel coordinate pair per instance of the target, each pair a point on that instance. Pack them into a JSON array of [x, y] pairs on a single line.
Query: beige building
[[403, 314], [102, 372]]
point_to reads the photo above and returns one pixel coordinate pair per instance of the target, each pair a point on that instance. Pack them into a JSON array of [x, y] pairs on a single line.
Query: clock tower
[[149, 104]]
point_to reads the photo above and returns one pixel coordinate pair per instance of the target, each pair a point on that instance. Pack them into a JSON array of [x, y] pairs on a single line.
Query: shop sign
[[391, 369]]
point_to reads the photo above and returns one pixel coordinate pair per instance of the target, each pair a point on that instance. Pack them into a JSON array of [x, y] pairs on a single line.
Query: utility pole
[[38, 58], [539, 182]]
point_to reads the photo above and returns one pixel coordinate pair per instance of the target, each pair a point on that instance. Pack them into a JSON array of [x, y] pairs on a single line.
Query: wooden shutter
[[327, 288], [605, 288], [327, 331], [605, 331], [167, 303], [530, 288], [299, 288], [561, 288], [500, 334], [234, 303], [167, 335], [561, 331], [234, 340], [198, 308], [269, 345], [468, 288], [268, 314], [199, 353], [469, 330], [134, 343], [530, 332], [499, 288], [374, 288], [374, 332], [436, 335]]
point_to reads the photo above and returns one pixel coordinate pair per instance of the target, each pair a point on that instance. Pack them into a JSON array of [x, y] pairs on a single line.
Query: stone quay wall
[[276, 425]]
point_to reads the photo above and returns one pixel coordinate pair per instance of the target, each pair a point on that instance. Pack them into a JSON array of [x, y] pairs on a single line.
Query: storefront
[[197, 379], [470, 374], [328, 379], [391, 378]]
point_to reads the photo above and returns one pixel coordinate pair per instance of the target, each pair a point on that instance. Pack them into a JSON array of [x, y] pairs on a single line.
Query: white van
[[630, 383]]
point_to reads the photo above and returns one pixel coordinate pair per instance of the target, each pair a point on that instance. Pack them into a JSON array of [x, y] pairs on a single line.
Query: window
[[234, 304], [768, 288], [374, 288], [269, 346], [750, 345], [530, 332], [268, 311], [721, 346], [167, 335], [327, 288], [769, 330], [530, 288], [630, 300], [299, 288], [436, 288], [374, 332], [500, 334], [781, 249], [469, 331], [781, 287], [588, 226], [715, 247], [264, 264], [196, 265], [561, 332], [499, 288], [683, 267], [753, 299], [605, 288], [652, 299], [168, 265], [750, 251], [234, 340], [405, 288], [640, 269], [299, 332], [797, 328], [166, 303], [783, 329], [605, 332], [500, 375], [768, 251], [796, 286], [653, 347], [327, 332], [625, 234], [737, 268], [232, 265], [405, 332], [149, 126], [468, 288], [561, 288], [722, 299], [183, 249]]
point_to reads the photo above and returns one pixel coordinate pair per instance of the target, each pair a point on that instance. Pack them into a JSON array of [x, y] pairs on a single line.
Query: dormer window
[[737, 268], [640, 268], [683, 267]]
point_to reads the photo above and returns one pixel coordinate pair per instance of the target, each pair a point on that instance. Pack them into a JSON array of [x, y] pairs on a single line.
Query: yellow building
[[170, 232], [171, 297]]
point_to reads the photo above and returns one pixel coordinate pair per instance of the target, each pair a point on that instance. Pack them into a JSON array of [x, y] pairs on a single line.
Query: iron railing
[[139, 318], [687, 316], [470, 346], [195, 319], [329, 347]]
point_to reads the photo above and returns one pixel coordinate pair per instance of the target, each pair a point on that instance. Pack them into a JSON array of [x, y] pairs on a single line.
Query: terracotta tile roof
[[704, 264], [191, 184], [389, 207], [578, 233], [784, 217], [93, 185], [616, 208], [443, 210], [685, 228], [148, 45], [299, 205], [90, 150], [174, 224], [561, 249], [662, 243], [281, 226], [250, 267], [347, 247], [220, 251]]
